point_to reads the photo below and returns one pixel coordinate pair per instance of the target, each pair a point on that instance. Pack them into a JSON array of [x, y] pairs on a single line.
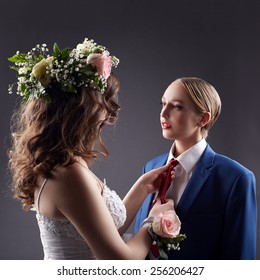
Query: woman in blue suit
[[214, 196]]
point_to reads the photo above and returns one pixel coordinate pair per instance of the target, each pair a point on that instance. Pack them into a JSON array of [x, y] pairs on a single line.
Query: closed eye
[[177, 107]]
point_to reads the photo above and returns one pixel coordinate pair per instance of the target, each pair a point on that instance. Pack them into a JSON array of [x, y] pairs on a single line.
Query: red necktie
[[166, 182], [161, 195]]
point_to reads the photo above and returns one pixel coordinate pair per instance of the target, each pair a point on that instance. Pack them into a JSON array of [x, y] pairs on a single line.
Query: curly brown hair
[[45, 135]]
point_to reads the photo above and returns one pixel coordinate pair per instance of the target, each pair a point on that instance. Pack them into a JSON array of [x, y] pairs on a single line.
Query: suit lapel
[[195, 183]]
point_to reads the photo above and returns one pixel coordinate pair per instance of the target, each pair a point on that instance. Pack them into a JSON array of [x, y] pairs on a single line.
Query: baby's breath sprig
[[88, 64], [165, 245]]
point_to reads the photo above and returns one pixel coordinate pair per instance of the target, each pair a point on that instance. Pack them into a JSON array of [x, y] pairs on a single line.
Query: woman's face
[[179, 117]]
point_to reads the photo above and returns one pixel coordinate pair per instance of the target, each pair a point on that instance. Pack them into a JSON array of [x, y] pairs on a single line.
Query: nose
[[164, 112]]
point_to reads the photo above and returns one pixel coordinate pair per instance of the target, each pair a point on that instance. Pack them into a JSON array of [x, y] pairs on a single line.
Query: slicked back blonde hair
[[205, 98]]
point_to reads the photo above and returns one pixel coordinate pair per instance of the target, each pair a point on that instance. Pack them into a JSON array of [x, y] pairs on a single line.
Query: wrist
[[143, 185], [148, 223], [151, 233], [140, 188]]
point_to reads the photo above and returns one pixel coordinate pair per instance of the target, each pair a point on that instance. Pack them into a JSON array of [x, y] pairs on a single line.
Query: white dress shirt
[[183, 171]]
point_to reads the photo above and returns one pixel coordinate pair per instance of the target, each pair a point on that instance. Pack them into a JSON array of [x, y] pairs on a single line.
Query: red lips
[[165, 125]]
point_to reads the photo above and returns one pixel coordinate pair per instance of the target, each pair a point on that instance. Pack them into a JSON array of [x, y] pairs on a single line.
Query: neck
[[180, 146], [82, 162]]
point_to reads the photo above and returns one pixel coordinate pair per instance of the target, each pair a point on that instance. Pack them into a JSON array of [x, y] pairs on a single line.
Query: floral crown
[[88, 64]]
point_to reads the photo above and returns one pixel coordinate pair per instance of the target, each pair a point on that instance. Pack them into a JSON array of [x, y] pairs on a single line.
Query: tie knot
[[173, 163]]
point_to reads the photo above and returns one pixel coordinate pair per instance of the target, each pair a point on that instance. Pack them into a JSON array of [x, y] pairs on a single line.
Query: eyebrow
[[171, 101]]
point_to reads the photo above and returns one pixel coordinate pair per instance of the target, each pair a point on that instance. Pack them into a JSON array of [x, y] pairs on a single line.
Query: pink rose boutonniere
[[103, 63], [166, 228]]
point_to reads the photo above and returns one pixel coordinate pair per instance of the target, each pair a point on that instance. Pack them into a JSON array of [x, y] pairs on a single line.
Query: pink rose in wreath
[[102, 62]]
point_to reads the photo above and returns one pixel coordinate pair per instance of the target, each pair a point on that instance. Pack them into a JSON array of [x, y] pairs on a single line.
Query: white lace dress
[[60, 239]]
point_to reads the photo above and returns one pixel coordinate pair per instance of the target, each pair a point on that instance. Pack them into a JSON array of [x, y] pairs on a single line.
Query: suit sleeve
[[240, 226]]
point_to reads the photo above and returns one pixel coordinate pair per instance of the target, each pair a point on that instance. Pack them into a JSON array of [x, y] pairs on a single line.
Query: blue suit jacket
[[217, 210]]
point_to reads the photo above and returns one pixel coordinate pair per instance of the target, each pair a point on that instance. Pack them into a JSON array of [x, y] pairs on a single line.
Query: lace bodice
[[60, 239]]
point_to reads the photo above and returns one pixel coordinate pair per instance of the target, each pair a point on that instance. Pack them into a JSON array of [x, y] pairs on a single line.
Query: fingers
[[172, 174], [157, 202], [162, 176], [162, 170], [170, 202], [165, 168], [160, 208]]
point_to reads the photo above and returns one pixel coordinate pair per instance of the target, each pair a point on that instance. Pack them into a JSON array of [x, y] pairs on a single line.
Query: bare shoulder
[[74, 177], [72, 172], [68, 186]]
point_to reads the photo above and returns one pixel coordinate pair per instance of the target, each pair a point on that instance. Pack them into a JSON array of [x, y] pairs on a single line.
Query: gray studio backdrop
[[156, 41]]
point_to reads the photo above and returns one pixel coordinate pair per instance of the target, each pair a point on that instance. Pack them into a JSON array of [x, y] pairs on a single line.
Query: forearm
[[133, 201], [148, 183], [140, 244]]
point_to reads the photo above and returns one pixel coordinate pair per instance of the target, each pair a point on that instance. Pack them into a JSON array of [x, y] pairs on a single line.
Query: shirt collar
[[190, 157]]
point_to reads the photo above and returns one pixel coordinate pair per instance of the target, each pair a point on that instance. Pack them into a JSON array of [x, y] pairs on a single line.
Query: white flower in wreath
[[40, 72], [86, 47]]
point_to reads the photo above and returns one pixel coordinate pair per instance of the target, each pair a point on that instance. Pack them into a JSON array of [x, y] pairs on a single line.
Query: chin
[[168, 136]]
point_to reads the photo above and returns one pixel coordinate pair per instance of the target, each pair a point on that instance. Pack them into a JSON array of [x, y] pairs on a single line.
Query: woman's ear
[[205, 118]]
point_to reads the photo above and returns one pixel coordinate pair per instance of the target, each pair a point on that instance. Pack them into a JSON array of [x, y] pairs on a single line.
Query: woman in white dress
[[67, 98]]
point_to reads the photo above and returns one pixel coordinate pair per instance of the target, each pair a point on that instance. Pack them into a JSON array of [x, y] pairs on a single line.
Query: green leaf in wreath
[[17, 58]]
